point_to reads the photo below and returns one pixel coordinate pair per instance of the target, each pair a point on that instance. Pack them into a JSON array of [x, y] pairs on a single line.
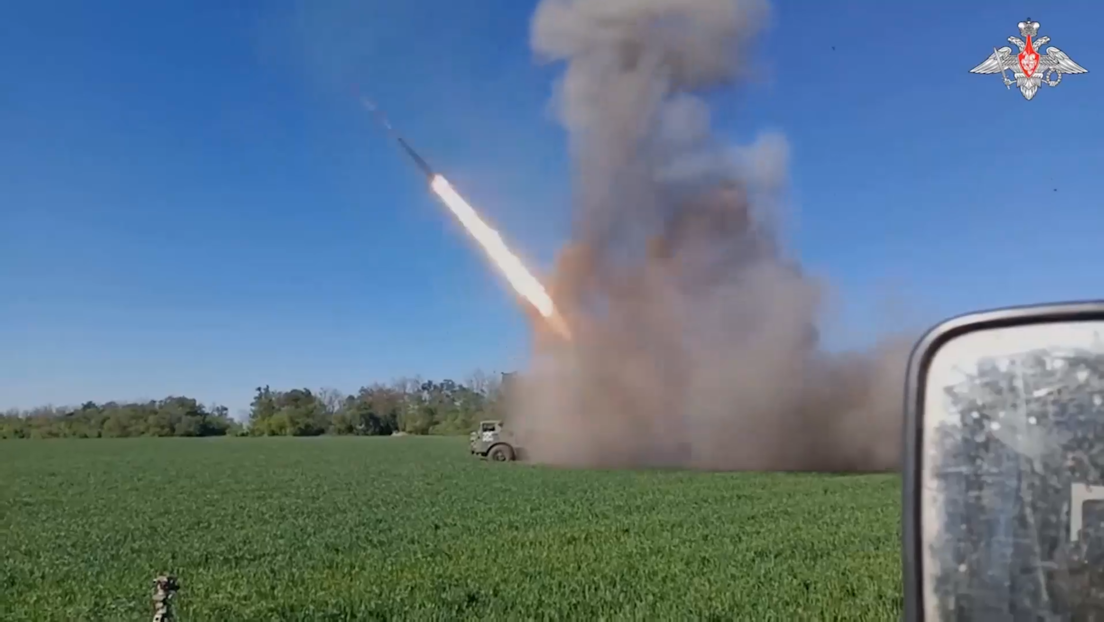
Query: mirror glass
[[1012, 477]]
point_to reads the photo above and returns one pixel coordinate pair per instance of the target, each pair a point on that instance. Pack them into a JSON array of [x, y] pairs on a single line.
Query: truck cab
[[493, 441]]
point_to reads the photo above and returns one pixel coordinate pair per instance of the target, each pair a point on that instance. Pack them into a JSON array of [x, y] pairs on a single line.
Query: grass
[[416, 529]]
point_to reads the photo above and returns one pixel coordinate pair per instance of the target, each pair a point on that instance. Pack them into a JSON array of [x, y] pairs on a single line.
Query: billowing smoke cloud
[[696, 341]]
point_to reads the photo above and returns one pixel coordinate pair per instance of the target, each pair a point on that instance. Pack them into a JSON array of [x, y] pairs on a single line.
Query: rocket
[[382, 118], [521, 279]]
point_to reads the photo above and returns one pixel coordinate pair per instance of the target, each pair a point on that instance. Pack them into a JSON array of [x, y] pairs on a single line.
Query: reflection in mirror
[[1012, 480]]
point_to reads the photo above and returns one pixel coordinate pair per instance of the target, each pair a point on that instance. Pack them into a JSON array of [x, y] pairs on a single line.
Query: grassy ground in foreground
[[414, 528]]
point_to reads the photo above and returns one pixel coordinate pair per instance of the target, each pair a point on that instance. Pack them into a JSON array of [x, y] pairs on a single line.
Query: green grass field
[[416, 529]]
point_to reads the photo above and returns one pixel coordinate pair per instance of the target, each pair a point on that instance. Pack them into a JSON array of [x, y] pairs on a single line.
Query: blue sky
[[191, 201]]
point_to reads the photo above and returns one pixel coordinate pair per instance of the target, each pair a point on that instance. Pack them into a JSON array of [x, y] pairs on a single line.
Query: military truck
[[494, 441]]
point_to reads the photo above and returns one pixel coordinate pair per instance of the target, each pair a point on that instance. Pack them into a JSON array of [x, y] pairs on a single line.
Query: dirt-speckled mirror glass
[[1012, 482]]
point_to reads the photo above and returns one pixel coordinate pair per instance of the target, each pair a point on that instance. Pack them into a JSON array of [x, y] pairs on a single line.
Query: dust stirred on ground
[[696, 341]]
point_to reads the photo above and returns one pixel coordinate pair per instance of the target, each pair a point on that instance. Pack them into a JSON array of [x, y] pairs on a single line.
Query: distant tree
[[173, 416], [374, 410], [302, 412], [331, 399], [412, 405], [261, 411]]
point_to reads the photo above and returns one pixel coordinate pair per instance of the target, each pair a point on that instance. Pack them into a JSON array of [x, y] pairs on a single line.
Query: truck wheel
[[501, 453]]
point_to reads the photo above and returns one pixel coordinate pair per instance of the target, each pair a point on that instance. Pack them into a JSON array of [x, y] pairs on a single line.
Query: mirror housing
[[1033, 328]]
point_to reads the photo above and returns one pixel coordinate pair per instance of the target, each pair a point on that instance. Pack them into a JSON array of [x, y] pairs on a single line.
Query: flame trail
[[519, 277], [523, 281]]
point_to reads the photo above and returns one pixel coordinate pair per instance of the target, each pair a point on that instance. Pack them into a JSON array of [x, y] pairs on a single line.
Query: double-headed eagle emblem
[[1029, 68]]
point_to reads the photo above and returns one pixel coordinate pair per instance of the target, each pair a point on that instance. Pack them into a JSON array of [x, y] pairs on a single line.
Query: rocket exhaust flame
[[519, 277]]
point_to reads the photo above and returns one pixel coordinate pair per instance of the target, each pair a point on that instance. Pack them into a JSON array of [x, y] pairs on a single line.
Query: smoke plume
[[696, 339]]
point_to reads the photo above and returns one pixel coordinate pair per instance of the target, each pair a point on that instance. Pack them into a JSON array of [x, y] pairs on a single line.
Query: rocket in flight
[[382, 118]]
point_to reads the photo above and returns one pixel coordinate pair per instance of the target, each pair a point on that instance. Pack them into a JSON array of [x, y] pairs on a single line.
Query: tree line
[[410, 406]]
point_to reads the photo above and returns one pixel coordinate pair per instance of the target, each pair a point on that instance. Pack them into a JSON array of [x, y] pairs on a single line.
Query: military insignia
[[1029, 68]]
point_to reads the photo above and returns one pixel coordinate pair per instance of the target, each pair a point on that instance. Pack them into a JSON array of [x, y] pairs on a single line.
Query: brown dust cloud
[[695, 337]]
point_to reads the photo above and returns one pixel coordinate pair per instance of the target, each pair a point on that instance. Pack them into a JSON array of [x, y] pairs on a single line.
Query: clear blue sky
[[191, 201]]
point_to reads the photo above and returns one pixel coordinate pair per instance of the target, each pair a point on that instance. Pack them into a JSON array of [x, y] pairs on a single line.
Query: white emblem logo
[[1029, 68]]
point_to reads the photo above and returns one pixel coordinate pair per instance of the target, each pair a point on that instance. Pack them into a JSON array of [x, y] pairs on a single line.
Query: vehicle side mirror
[[1003, 506]]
